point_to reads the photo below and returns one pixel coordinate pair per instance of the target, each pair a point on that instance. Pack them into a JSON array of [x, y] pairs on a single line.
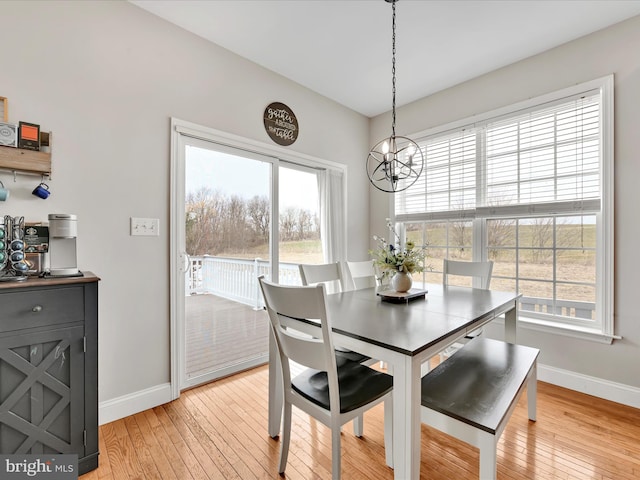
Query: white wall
[[613, 50], [105, 77]]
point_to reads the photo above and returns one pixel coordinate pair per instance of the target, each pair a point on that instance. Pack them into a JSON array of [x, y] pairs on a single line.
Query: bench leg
[[532, 392], [488, 456]]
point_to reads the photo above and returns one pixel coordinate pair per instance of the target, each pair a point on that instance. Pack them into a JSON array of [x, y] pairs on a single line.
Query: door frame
[[180, 130]]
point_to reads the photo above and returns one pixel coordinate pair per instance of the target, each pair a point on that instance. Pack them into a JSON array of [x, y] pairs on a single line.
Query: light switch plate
[[148, 227]]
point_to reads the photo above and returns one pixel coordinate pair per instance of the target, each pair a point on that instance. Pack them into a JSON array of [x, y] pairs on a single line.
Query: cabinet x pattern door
[[41, 385]]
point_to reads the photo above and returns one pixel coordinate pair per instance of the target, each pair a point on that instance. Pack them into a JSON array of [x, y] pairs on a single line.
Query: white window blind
[[447, 186], [545, 161], [542, 161]]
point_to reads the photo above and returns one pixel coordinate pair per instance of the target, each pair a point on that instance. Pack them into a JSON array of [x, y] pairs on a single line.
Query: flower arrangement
[[389, 258]]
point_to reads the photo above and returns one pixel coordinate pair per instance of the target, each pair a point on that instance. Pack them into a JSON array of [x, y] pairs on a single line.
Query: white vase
[[401, 282]]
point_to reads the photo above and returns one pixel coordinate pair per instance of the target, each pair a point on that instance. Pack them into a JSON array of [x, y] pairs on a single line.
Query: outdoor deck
[[226, 327], [215, 327]]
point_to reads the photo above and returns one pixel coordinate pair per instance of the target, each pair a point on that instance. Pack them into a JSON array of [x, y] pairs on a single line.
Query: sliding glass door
[[227, 211], [299, 221], [240, 210]]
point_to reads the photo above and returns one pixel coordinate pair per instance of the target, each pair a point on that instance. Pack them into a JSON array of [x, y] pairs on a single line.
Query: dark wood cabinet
[[49, 368]]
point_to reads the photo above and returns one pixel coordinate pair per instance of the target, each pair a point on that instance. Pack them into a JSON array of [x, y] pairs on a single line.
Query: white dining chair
[[363, 274], [480, 275], [332, 392], [330, 274], [481, 271]]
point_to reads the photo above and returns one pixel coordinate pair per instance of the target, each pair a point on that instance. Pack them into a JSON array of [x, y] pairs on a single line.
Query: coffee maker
[[63, 231]]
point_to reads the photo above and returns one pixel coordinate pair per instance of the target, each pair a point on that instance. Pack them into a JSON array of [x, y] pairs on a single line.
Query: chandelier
[[394, 163]]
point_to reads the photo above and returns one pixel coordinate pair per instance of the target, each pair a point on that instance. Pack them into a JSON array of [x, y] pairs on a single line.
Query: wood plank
[[206, 441], [141, 438], [123, 458], [189, 439], [221, 429], [169, 464], [20, 159]]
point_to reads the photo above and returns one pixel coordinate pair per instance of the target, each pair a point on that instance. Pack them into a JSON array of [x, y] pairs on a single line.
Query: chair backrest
[[479, 270], [327, 273], [362, 274], [288, 307]]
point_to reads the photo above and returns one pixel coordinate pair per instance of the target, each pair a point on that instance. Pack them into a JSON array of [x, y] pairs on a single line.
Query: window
[[531, 188]]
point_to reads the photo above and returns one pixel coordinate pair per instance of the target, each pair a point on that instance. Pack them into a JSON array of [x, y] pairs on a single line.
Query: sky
[[233, 175]]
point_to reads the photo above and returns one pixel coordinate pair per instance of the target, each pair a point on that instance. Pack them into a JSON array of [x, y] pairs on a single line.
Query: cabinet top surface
[[88, 277]]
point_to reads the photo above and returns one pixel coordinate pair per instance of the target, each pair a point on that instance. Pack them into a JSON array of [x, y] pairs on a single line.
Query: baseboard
[[136, 402], [126, 405], [616, 392]]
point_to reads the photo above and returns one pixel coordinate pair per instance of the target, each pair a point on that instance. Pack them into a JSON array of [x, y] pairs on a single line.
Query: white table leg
[[487, 444], [388, 431], [510, 319], [532, 393], [406, 419], [275, 388]]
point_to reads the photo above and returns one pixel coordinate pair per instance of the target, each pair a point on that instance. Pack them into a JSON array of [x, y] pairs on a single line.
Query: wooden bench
[[471, 395]]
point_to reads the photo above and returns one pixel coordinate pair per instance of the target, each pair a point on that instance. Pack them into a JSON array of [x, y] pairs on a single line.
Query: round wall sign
[[280, 123]]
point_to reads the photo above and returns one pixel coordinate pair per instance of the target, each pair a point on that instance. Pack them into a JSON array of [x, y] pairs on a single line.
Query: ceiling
[[342, 48]]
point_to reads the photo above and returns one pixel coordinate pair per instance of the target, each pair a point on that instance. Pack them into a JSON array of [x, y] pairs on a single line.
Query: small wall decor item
[[8, 134], [29, 136], [45, 142], [4, 109], [280, 124]]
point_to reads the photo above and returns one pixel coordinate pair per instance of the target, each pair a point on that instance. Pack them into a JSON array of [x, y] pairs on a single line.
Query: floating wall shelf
[[25, 161]]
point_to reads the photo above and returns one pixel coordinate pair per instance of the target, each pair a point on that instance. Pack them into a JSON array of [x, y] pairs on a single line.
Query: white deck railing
[[567, 308], [234, 278], [237, 279]]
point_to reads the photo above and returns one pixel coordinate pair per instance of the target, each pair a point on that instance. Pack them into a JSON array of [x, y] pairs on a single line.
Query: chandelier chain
[[393, 69], [394, 163]]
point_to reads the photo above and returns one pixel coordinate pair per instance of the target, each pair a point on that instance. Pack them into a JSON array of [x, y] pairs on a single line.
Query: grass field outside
[[576, 267]]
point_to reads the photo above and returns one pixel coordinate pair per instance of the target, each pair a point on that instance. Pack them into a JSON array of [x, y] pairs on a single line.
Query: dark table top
[[412, 327], [87, 277]]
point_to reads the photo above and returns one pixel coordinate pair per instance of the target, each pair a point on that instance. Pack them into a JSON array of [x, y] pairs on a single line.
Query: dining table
[[404, 335]]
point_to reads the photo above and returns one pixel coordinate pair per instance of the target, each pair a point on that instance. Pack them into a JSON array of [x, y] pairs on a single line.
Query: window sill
[[582, 333]]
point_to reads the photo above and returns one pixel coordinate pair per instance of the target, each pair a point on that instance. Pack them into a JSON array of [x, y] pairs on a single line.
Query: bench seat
[[471, 395]]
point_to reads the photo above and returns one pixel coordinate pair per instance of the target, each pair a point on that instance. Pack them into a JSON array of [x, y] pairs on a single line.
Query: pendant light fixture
[[394, 163]]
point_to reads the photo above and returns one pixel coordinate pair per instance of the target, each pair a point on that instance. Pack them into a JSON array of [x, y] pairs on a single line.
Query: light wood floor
[[219, 431]]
